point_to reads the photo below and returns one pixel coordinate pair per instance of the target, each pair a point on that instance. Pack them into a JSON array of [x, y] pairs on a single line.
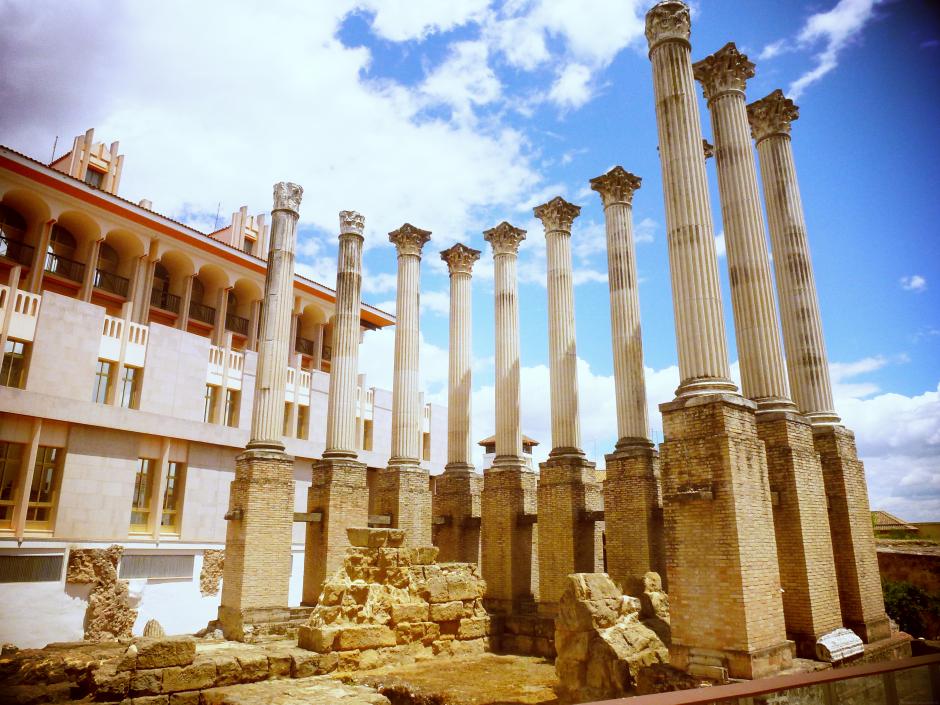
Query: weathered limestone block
[[109, 614], [602, 646], [196, 676], [210, 577], [839, 645], [93, 565], [160, 653]]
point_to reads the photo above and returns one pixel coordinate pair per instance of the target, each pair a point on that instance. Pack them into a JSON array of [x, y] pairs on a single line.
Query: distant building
[[489, 450], [889, 526]]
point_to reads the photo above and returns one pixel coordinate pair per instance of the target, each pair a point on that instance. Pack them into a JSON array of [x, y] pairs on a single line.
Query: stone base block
[[455, 507], [257, 569], [633, 516], [568, 491], [801, 525], [509, 550], [340, 495], [859, 579], [713, 663], [240, 624], [403, 492], [724, 580]]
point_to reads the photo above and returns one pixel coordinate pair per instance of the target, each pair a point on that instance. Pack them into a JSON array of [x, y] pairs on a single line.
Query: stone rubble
[[109, 614]]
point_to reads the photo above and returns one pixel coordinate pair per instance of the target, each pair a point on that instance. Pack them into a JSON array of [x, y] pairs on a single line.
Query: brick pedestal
[[403, 492], [633, 517], [509, 539], [801, 526], [724, 583], [340, 495], [456, 502], [257, 568], [567, 491], [853, 539]]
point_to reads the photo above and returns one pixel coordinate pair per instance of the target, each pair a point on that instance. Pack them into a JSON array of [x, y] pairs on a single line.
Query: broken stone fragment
[[170, 651], [839, 645]]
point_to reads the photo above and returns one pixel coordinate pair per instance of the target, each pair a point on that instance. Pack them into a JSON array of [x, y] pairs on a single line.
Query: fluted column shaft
[[763, 378], [267, 417], [700, 328], [807, 362], [344, 365]]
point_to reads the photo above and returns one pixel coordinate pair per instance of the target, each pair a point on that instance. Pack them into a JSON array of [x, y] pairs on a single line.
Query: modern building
[[129, 352]]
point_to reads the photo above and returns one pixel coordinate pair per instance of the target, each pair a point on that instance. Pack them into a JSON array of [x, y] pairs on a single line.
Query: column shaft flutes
[[807, 363], [267, 417], [344, 365], [723, 76], [616, 189]]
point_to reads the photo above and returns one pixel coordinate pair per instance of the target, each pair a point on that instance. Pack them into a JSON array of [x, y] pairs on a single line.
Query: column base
[[723, 663], [240, 624], [403, 491], [633, 515], [801, 525], [569, 499], [340, 495], [456, 502], [859, 579], [724, 582], [509, 539], [257, 570]]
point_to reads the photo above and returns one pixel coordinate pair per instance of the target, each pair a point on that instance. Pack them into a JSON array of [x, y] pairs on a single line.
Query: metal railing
[[236, 324], [107, 281], [165, 300], [304, 346], [64, 267], [17, 251], [201, 312]]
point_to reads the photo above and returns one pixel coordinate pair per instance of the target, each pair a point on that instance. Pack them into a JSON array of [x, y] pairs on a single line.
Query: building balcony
[[165, 301], [202, 313], [64, 267], [236, 324], [112, 283], [304, 346], [19, 252]]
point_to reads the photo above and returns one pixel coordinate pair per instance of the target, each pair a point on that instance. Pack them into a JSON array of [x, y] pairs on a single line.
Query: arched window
[[232, 305], [199, 290], [12, 235], [107, 259], [62, 242], [161, 278]]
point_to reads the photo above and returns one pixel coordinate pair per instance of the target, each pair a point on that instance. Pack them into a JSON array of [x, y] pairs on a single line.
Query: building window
[[130, 383], [210, 402], [11, 458], [232, 403], [426, 443], [13, 370], [173, 498], [367, 434], [249, 246], [103, 375], [302, 415], [143, 492], [287, 429], [94, 177], [44, 490]]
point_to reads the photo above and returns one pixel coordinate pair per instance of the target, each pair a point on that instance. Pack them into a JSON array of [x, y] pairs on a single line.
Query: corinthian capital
[[557, 214], [616, 186], [725, 70], [351, 223], [668, 20], [460, 258], [504, 238], [772, 115], [409, 240], [287, 196]]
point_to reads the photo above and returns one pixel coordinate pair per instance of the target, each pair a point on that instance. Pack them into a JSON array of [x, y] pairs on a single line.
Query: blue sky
[[455, 116]]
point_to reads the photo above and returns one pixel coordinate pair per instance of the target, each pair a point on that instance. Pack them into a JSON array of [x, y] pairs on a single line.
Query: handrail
[[201, 312], [764, 686], [236, 324], [15, 250], [165, 300], [64, 267], [304, 346], [108, 281]]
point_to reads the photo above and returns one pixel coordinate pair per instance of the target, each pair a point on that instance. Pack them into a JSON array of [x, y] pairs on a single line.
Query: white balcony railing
[[22, 308]]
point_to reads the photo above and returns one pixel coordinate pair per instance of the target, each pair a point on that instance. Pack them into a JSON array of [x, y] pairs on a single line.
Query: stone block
[[159, 653], [319, 639], [196, 676], [473, 628], [348, 661], [189, 698], [365, 636], [146, 681], [226, 670], [366, 537], [447, 611], [410, 612], [253, 667], [306, 664], [839, 645], [279, 665], [150, 700], [423, 555], [108, 683]]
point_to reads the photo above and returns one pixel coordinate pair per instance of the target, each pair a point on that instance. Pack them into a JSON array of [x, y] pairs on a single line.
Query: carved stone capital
[[725, 70], [409, 240], [351, 223], [772, 115], [668, 20], [616, 186], [287, 196], [557, 214], [460, 258], [708, 148], [504, 238]]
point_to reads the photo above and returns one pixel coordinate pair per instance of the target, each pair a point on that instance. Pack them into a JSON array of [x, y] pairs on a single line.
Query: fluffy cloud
[[402, 20], [915, 282], [571, 89], [720, 244]]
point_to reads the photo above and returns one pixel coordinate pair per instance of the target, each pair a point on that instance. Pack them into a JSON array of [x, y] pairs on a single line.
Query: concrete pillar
[[633, 519], [91, 267], [261, 500], [860, 596], [338, 491], [456, 500], [402, 490], [724, 580], [568, 487], [182, 321], [509, 550], [38, 266]]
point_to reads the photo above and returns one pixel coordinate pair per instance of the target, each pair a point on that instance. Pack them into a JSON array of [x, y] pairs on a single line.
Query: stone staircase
[[278, 631]]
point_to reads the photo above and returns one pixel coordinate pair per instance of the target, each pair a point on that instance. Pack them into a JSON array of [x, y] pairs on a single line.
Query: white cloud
[[720, 244], [645, 230], [378, 282], [914, 282], [571, 89], [464, 80], [402, 20], [377, 362], [774, 49], [436, 302]]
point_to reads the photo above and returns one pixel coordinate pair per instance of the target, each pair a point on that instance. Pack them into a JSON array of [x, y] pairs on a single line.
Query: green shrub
[[907, 604]]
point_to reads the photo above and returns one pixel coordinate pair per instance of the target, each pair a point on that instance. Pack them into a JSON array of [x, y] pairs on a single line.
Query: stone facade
[[109, 614]]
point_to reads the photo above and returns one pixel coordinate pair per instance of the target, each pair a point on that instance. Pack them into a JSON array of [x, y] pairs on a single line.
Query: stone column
[[402, 490], [261, 500], [509, 550], [633, 519], [801, 521], [724, 581], [568, 487], [91, 269], [456, 501], [860, 594]]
